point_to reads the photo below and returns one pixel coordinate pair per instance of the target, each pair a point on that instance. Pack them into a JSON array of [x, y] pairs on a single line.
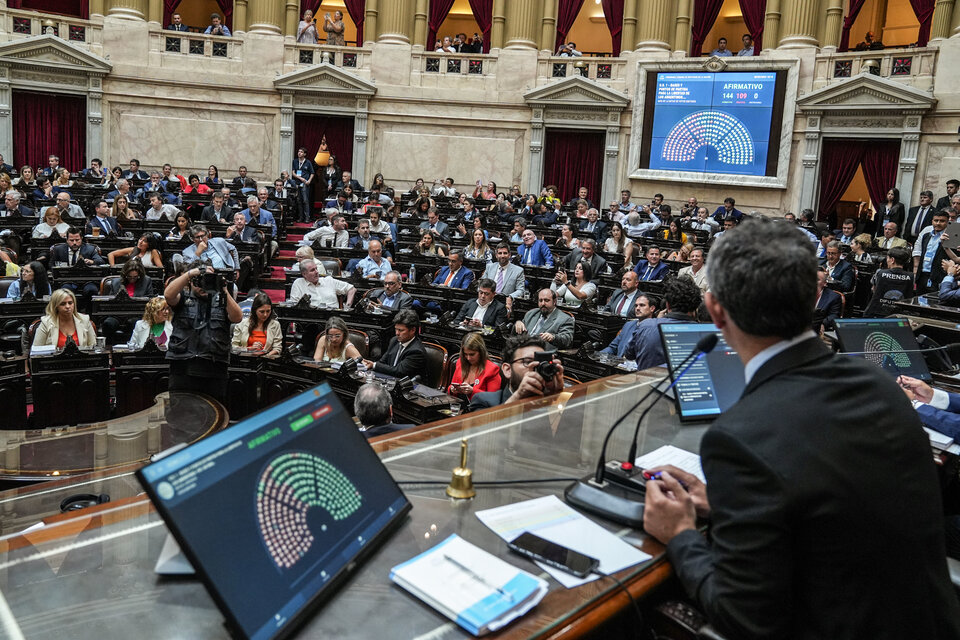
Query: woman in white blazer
[[154, 325], [62, 322]]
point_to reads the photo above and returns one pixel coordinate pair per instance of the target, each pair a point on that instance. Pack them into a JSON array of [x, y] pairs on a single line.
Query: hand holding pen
[[689, 482]]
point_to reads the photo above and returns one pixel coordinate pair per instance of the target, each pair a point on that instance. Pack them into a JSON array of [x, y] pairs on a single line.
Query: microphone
[[617, 503]]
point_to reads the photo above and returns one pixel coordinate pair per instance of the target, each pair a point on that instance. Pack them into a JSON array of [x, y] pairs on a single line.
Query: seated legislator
[[334, 345], [636, 229], [697, 271], [404, 356], [819, 465], [363, 237], [727, 210], [155, 324], [594, 225], [519, 369], [645, 306], [374, 409], [896, 283], [533, 251], [454, 275], [618, 243], [435, 224], [102, 220], [216, 252], [829, 304], [546, 322], [181, 228], [566, 240], [577, 291], [485, 310], [323, 290], [889, 239], [334, 234], [652, 268], [474, 371], [63, 322], [240, 231], [587, 251], [508, 277], [52, 223], [622, 300], [374, 266], [67, 209], [391, 297], [217, 210], [429, 245], [74, 251], [158, 210], [257, 215], [839, 270], [145, 251], [681, 298], [12, 206], [133, 279], [33, 279], [261, 331]]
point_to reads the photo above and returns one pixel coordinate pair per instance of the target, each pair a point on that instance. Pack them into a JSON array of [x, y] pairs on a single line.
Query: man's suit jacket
[[106, 225], [844, 275], [907, 231], [897, 214], [946, 421], [442, 227], [139, 175], [894, 242], [659, 272], [810, 478], [615, 299], [383, 429], [142, 289], [495, 315], [558, 323], [21, 211], [513, 278], [949, 293], [830, 305], [943, 202], [600, 230], [403, 300], [209, 215], [597, 262], [539, 254], [623, 340], [461, 280], [412, 361], [357, 187], [59, 253], [487, 399]]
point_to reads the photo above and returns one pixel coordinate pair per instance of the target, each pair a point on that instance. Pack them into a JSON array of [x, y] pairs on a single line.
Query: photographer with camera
[[199, 349], [530, 370]]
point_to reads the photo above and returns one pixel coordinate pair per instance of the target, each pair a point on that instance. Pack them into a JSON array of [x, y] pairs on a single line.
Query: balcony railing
[[470, 65], [913, 66], [177, 43], [602, 69], [354, 59], [23, 24]]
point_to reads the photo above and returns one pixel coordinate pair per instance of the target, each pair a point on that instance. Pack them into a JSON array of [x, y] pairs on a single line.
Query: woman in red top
[[474, 371]]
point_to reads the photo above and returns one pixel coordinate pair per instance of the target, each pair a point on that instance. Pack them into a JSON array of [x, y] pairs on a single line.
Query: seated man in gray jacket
[[548, 323]]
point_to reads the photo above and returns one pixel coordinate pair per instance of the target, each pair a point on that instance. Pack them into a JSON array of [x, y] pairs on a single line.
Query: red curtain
[[435, 16], [754, 14], [880, 160], [705, 14], [567, 11], [312, 5], [855, 6], [64, 7], [613, 14], [49, 123], [309, 130], [839, 160], [923, 9], [169, 6], [226, 8], [573, 159], [357, 10], [483, 14]]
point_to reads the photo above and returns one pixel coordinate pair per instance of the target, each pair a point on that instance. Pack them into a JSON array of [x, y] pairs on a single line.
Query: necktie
[[499, 279], [73, 258], [536, 327], [526, 255], [446, 282], [646, 274], [399, 352], [590, 227], [620, 306]]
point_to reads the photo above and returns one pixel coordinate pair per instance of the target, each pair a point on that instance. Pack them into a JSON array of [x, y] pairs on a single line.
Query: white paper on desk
[[669, 454], [553, 520], [937, 439]]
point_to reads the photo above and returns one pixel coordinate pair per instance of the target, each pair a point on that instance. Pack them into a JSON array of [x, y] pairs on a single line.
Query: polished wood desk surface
[[104, 555]]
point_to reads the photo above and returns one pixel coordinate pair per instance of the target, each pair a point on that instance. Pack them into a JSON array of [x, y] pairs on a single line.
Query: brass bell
[[461, 484]]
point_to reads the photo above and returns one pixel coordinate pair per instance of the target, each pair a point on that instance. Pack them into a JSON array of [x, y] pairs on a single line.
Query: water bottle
[[412, 275]]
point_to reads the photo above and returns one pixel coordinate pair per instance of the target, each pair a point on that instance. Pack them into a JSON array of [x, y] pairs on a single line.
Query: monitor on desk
[[889, 343], [713, 383], [275, 512]]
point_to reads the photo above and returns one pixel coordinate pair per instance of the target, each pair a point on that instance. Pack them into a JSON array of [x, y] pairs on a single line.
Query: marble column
[[834, 24], [771, 24], [497, 26], [94, 116], [628, 35], [96, 8], [292, 19], [653, 25], [239, 16], [155, 11], [681, 41], [942, 13], [421, 25], [799, 28], [371, 12], [132, 9], [395, 22], [265, 16], [523, 24], [548, 27]]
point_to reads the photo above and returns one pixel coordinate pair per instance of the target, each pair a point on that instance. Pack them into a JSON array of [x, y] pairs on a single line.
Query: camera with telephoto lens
[[212, 282], [546, 368]]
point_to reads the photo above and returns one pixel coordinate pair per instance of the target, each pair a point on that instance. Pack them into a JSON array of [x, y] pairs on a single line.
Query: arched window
[[352, 11], [590, 30], [890, 23], [729, 19], [196, 14], [459, 20]]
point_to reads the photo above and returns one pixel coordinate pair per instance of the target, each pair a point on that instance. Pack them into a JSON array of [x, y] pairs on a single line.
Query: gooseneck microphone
[[616, 503]]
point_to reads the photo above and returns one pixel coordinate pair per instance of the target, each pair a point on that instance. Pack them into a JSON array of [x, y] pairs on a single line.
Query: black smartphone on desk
[[553, 554]]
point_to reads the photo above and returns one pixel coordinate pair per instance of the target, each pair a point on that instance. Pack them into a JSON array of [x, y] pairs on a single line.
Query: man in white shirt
[[333, 235], [158, 210], [704, 222], [323, 291], [444, 189], [697, 270], [374, 266], [747, 46]]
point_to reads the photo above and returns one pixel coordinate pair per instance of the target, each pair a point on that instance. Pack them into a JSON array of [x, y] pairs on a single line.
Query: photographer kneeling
[[530, 370], [199, 349]]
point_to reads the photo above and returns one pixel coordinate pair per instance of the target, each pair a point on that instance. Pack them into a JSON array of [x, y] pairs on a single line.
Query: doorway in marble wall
[[309, 131], [573, 158], [46, 124]]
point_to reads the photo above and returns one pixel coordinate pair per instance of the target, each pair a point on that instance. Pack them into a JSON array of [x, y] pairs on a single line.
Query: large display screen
[[726, 122], [888, 343]]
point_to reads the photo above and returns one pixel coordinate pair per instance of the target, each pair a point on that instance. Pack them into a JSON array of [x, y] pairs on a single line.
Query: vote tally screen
[[713, 122]]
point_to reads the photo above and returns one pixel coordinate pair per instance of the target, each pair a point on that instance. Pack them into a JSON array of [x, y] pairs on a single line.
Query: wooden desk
[[70, 387]]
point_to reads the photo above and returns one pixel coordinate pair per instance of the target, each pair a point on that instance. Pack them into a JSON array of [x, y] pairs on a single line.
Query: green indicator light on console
[[300, 423]]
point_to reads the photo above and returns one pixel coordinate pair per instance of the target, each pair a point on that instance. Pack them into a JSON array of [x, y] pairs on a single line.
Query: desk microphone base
[[607, 501]]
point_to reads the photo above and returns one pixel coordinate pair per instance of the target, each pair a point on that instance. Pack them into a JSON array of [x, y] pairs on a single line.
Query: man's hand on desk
[[669, 509], [916, 389], [693, 485], [368, 364]]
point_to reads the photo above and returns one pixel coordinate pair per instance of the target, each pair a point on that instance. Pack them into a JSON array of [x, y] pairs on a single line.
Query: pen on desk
[[476, 576], [656, 476]]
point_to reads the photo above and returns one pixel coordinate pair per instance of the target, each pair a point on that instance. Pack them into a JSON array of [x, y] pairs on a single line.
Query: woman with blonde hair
[[261, 331], [63, 179], [52, 222], [62, 321], [858, 249], [474, 371], [682, 254], [334, 345], [5, 183], [155, 324]]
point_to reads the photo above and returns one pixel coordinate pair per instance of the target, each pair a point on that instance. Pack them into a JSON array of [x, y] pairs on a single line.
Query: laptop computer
[[889, 343]]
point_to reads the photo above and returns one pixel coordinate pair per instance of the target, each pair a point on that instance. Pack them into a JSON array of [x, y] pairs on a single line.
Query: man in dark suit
[[239, 181], [435, 224], [176, 24], [374, 409], [12, 206], [454, 275], [75, 252], [217, 210], [652, 268], [812, 474], [4, 167], [622, 300], [953, 186], [829, 304], [391, 297], [838, 269], [727, 210], [587, 252], [594, 225], [346, 179], [404, 356], [102, 220], [519, 368], [486, 310], [919, 217], [134, 172], [53, 168]]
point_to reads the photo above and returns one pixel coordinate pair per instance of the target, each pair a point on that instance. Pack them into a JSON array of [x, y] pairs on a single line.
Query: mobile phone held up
[[553, 554]]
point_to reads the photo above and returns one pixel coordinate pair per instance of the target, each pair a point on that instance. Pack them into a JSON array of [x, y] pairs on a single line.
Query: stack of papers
[[554, 520], [669, 454], [938, 440], [477, 590]]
